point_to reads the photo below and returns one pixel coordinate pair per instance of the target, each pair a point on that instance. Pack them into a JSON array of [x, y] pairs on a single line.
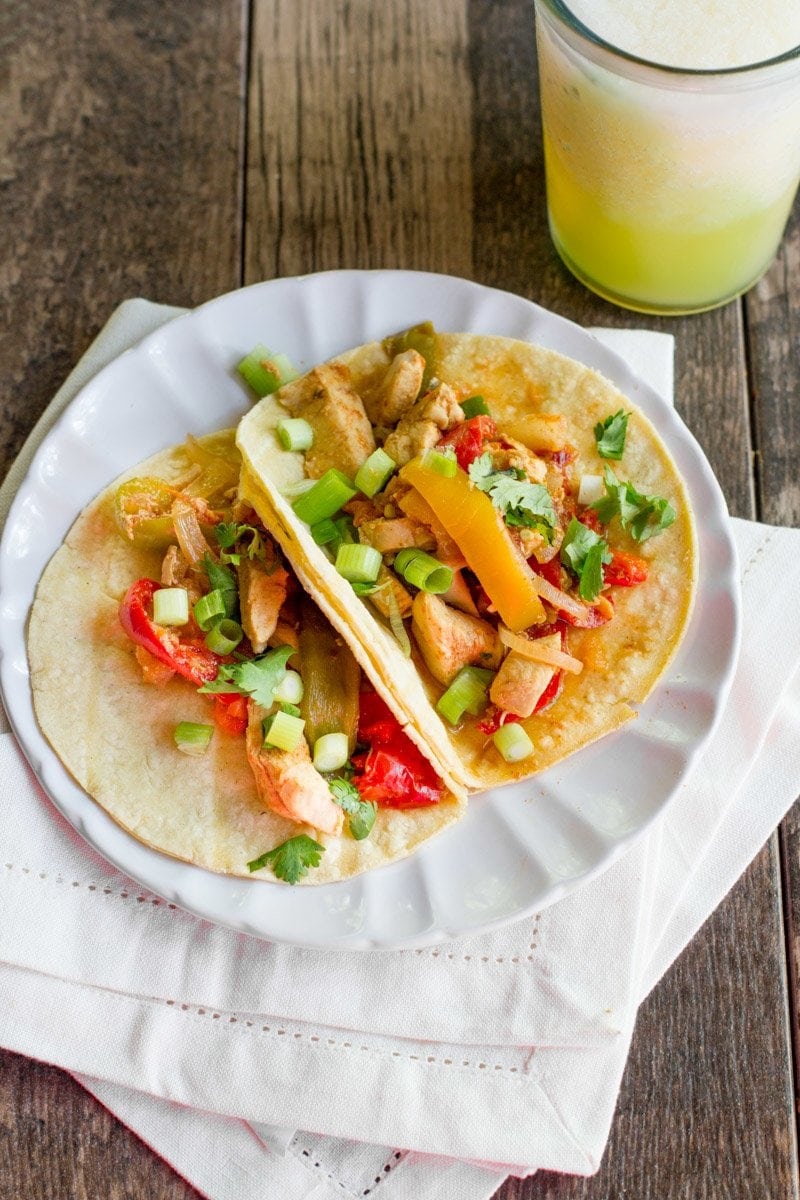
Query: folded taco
[[198, 693], [496, 527]]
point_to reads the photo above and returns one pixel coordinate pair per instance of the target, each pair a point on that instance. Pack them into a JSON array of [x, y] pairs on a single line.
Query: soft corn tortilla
[[623, 660], [114, 732]]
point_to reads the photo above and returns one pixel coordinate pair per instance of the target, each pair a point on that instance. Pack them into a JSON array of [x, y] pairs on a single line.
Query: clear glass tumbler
[[667, 190]]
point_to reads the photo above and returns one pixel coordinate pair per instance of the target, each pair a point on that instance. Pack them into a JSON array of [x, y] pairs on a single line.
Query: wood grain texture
[[117, 176], [359, 137]]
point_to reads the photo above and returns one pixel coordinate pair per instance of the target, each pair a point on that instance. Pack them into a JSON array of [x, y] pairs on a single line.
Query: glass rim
[[562, 10]]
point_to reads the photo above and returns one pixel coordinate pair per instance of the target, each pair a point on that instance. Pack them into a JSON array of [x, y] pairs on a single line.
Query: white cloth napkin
[[506, 1049]]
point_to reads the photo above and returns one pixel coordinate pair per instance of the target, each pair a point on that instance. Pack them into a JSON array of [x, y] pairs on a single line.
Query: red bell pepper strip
[[392, 772], [189, 658], [625, 570], [230, 712], [467, 439]]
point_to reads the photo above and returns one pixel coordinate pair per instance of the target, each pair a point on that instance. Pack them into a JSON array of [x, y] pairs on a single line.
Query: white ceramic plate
[[518, 848]]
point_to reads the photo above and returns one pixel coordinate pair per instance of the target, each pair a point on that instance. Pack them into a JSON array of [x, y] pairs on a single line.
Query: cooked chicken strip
[[520, 682], [422, 426], [343, 436], [288, 782], [449, 640], [397, 534], [398, 389], [261, 598]]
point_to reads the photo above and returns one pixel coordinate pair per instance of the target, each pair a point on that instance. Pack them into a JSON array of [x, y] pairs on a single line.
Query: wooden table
[[180, 148]]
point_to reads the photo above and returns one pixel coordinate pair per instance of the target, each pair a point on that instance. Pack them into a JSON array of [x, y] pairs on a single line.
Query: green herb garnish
[[520, 501], [642, 516], [610, 435], [221, 580], [292, 859], [256, 677], [585, 552], [361, 813]]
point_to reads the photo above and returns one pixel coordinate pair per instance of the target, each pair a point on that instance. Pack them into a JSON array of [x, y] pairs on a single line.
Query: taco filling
[[498, 540], [226, 662]]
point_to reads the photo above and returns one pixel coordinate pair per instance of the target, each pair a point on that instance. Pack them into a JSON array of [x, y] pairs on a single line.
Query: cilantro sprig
[[585, 552], [222, 580], [291, 860], [361, 813], [256, 677], [610, 435], [520, 501], [228, 533], [642, 516]]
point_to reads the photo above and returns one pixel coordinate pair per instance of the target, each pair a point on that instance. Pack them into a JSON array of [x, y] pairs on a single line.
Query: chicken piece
[[380, 598], [416, 506], [520, 682], [177, 572], [287, 781], [261, 597], [398, 389], [343, 436], [388, 536], [449, 640], [424, 423], [361, 510], [512, 455]]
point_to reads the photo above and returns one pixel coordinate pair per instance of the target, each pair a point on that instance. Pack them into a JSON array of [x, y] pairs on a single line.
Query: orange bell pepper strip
[[478, 528]]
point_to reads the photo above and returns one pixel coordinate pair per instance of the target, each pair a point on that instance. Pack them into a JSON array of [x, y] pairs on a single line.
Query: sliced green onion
[[373, 474], [325, 498], [192, 738], [290, 689], [283, 731], [264, 371], [440, 463], [295, 434], [324, 532], [347, 532], [467, 693], [513, 742], [331, 751], [299, 488], [210, 609], [171, 606], [423, 571], [475, 406], [224, 637], [357, 563], [396, 622]]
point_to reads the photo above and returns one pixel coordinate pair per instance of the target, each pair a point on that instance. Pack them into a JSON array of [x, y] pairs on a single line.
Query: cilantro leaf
[[256, 677], [584, 552], [223, 580], [520, 501], [226, 533], [643, 516], [362, 813], [610, 435], [292, 859]]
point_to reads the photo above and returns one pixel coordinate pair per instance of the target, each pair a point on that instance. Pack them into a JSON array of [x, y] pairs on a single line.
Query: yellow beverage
[[667, 191]]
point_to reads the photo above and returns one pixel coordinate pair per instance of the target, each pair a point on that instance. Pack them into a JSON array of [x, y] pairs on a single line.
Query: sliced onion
[[537, 650], [396, 622], [188, 531], [559, 599]]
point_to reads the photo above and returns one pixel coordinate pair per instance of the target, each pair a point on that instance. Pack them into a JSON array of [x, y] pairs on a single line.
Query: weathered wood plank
[[359, 138], [120, 132]]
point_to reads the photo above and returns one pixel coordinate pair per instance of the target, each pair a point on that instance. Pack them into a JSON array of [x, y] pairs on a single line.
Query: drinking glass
[[667, 189]]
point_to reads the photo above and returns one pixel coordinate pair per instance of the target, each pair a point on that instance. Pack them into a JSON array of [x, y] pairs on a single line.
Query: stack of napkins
[[422, 1073]]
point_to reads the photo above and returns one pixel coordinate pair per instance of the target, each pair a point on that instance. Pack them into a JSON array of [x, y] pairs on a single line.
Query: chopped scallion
[[467, 693], [325, 498], [358, 563], [295, 434], [209, 609], [331, 751], [264, 371], [373, 474], [440, 463], [224, 637], [324, 532], [192, 738], [475, 406], [513, 742], [282, 731], [290, 689], [423, 571], [171, 606]]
